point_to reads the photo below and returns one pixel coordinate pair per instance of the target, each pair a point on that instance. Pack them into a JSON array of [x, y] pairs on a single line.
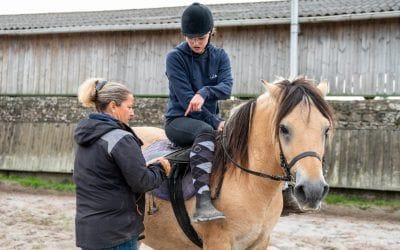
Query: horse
[[290, 122]]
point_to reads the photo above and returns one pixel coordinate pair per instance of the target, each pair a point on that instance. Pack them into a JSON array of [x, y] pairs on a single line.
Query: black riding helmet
[[196, 20]]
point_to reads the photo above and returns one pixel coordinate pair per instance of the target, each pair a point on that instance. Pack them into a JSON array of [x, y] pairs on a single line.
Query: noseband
[[284, 164]]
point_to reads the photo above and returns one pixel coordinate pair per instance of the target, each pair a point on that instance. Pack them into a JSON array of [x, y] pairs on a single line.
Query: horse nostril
[[300, 193]]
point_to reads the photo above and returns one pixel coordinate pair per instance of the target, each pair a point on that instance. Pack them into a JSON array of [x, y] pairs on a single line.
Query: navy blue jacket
[[111, 178], [208, 74]]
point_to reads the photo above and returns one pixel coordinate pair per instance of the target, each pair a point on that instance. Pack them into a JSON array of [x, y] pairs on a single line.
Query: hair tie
[[100, 85]]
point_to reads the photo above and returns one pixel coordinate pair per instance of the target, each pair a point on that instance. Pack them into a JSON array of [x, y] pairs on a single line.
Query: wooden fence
[[365, 159]]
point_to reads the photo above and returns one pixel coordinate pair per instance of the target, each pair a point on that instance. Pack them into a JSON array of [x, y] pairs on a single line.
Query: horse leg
[[214, 236], [162, 231], [261, 243], [216, 243]]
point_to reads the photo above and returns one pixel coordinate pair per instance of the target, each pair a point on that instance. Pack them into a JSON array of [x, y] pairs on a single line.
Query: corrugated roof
[[256, 13]]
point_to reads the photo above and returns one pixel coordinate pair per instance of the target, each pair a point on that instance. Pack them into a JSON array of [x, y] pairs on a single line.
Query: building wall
[[36, 135], [357, 57]]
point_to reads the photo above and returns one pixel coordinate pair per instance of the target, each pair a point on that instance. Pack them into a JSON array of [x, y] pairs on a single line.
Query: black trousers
[[182, 131]]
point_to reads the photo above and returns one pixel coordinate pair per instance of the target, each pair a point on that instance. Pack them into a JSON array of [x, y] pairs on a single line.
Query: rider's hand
[[195, 104], [221, 126]]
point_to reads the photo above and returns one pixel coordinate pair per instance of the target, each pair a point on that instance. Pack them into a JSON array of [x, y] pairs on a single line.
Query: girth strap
[[178, 203]]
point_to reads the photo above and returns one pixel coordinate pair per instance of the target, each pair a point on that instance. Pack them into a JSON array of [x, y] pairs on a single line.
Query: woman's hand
[[221, 126], [195, 104], [163, 162]]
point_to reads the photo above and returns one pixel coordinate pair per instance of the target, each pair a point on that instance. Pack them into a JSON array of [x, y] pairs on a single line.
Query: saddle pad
[[157, 149], [161, 148]]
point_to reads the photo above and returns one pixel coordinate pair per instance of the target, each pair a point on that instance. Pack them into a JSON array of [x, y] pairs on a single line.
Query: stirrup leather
[[179, 156]]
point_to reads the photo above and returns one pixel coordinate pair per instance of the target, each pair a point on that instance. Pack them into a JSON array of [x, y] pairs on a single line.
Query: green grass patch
[[360, 202], [33, 182]]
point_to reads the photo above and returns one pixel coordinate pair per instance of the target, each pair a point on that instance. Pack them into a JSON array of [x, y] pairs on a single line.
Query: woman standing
[[110, 172], [199, 75]]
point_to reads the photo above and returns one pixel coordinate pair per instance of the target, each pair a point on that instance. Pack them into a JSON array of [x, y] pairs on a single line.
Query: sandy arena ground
[[32, 219]]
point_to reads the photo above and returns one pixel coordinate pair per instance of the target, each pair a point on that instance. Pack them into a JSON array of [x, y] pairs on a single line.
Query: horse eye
[[284, 130]]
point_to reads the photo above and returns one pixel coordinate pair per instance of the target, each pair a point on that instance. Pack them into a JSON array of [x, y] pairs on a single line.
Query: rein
[[284, 164]]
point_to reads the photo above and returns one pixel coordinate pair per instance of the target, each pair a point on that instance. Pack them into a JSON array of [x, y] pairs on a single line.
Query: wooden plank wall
[[359, 57], [364, 159], [354, 159], [37, 147], [57, 64]]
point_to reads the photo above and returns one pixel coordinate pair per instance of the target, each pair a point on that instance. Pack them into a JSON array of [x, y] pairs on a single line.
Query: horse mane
[[237, 130], [300, 90]]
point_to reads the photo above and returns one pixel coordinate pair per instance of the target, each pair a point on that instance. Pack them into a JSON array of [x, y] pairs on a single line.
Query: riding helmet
[[196, 20]]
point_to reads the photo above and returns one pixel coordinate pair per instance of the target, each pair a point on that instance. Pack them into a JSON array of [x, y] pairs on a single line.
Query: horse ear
[[323, 87], [271, 88]]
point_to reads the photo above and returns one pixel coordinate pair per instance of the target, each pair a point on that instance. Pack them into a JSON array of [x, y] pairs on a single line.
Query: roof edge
[[224, 23], [338, 18]]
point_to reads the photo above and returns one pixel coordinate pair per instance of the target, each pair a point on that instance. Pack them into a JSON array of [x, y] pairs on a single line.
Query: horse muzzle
[[309, 193]]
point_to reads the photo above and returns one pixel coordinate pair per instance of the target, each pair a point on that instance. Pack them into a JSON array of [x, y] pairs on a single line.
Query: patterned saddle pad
[[163, 148]]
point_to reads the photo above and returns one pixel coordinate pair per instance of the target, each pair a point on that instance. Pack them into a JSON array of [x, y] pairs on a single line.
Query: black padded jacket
[[111, 178]]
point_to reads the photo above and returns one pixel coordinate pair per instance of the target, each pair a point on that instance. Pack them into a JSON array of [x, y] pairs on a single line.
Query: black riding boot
[[290, 204], [201, 158], [205, 210]]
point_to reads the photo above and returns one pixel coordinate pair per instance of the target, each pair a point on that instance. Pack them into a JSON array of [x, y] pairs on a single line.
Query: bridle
[[284, 164]]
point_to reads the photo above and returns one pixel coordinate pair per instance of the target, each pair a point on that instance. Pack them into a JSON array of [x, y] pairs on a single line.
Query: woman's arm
[[129, 158]]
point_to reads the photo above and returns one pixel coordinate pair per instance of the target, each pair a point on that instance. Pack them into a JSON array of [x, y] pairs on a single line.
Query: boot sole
[[199, 220]]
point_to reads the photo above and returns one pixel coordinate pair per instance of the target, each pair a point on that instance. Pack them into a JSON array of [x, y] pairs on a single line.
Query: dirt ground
[[32, 219]]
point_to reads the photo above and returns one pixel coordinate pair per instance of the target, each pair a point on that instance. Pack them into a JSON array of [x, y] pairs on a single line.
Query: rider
[[199, 75]]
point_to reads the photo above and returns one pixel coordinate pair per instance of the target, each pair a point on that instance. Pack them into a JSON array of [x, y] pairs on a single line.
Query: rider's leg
[[201, 158], [185, 131]]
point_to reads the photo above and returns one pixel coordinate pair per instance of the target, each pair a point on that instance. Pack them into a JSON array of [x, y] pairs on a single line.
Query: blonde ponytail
[[87, 92], [106, 92]]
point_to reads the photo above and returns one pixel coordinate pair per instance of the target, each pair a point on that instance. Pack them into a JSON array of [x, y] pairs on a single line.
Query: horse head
[[281, 135], [302, 125]]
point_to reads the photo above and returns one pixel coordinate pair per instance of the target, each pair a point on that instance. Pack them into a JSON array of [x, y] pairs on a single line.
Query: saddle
[[178, 157], [179, 186]]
